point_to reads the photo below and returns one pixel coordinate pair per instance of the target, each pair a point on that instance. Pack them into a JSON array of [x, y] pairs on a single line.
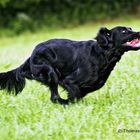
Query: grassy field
[[32, 116]]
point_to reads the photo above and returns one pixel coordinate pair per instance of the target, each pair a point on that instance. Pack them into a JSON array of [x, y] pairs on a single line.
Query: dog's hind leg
[[46, 75], [53, 85], [55, 95]]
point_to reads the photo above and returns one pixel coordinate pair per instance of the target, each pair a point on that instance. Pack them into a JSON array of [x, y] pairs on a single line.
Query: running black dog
[[80, 67]]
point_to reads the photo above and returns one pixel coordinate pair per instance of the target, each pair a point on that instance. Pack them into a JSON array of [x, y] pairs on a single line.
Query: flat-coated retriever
[[80, 67]]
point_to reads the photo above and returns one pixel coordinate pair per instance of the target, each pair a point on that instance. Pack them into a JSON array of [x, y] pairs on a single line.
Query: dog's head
[[119, 37]]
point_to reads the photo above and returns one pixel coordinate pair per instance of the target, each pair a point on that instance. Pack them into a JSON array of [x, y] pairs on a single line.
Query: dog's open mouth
[[133, 43]]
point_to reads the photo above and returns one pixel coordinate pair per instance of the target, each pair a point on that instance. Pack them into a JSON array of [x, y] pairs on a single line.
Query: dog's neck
[[111, 56]]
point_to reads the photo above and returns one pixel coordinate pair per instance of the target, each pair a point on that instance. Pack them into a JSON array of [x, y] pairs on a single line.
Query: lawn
[[32, 116]]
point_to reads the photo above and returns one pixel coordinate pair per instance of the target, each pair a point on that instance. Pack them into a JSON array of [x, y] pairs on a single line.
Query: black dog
[[79, 67]]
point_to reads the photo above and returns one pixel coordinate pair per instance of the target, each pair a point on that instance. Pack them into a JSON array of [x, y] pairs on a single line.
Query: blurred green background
[[18, 16]]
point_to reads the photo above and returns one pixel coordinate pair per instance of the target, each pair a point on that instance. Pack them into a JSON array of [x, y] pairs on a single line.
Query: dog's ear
[[103, 37]]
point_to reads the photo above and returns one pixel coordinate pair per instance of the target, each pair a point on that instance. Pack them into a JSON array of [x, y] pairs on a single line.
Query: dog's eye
[[124, 31], [108, 34]]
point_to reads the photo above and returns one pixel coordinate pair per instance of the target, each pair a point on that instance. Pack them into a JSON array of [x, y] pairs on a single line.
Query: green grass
[[32, 116]]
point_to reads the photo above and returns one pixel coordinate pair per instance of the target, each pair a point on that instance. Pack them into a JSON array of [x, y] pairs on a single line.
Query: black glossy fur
[[80, 67]]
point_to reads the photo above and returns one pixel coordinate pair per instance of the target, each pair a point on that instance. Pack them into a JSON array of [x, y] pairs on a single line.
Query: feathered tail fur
[[14, 81]]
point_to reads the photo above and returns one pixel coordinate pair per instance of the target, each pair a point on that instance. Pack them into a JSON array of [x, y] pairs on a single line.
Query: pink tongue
[[134, 42]]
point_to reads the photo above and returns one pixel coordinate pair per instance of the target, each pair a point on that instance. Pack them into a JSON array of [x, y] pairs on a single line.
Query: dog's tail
[[14, 81]]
